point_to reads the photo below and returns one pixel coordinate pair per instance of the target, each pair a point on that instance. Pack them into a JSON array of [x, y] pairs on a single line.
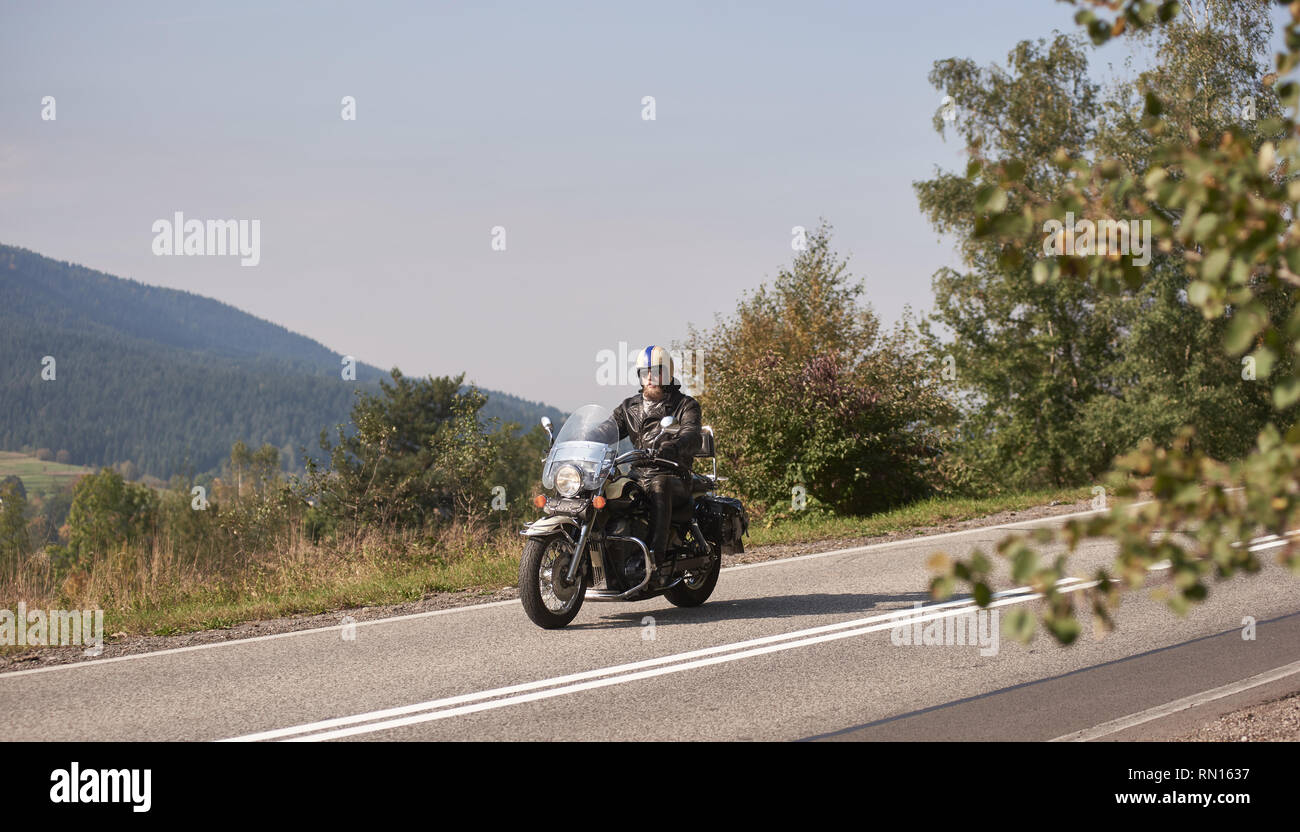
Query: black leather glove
[[668, 450]]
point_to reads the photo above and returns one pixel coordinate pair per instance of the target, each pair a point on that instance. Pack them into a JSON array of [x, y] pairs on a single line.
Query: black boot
[[658, 577]]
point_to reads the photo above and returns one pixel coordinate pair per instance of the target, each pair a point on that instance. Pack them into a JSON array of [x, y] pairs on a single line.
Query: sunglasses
[[659, 373]]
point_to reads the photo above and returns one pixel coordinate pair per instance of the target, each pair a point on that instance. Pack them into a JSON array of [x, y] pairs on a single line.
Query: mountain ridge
[[117, 343]]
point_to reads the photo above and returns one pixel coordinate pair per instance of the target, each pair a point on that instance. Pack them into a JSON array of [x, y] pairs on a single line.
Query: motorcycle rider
[[638, 418]]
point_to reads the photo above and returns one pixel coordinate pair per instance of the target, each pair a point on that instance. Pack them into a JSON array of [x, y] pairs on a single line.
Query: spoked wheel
[[696, 588], [549, 600]]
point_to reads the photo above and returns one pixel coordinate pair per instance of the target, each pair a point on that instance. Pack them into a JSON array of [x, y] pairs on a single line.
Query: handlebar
[[645, 455]]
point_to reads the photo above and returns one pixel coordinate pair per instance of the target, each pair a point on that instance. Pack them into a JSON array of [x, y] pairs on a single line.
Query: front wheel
[[550, 602]]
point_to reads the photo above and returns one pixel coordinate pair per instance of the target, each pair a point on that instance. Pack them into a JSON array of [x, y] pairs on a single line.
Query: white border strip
[[1141, 717]]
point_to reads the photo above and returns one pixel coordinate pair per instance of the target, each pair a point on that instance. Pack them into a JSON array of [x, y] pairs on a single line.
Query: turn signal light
[[598, 502], [540, 501]]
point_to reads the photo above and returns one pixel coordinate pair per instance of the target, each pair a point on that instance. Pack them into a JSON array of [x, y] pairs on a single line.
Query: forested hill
[[163, 378]]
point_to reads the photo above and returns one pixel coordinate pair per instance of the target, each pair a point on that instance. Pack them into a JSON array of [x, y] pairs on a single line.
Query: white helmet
[[654, 362]]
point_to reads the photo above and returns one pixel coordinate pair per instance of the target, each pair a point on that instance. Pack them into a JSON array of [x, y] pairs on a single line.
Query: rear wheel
[[549, 600], [697, 586]]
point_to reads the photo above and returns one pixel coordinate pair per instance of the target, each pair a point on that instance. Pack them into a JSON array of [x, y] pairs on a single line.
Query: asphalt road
[[792, 649]]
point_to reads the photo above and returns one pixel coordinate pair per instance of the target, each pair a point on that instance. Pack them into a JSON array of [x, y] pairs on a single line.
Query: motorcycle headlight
[[568, 480]]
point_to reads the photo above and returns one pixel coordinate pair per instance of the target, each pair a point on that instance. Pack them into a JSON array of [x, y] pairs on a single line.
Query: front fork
[[572, 574]]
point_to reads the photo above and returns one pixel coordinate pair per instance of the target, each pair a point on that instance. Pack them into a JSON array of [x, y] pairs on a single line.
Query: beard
[[654, 393]]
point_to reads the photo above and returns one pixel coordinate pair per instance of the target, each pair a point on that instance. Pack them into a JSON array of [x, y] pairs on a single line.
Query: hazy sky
[[376, 234]]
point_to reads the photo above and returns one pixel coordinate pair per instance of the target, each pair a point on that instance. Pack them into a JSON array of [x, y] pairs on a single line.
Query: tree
[[107, 513], [252, 473], [395, 467], [1221, 200], [14, 543], [16, 482], [1027, 356], [805, 391], [462, 451]]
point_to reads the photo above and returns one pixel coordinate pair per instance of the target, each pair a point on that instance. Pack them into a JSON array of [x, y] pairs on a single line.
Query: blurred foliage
[[1219, 190]]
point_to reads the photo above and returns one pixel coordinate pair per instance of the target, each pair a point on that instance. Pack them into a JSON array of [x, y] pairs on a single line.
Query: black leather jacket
[[685, 436]]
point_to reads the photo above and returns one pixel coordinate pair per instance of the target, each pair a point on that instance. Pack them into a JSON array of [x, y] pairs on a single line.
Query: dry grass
[[161, 588]]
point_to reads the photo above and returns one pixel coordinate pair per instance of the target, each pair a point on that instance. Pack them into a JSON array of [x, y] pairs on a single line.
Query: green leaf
[[1066, 629], [1293, 259], [1286, 393], [1198, 292], [1265, 360], [1213, 266], [1240, 272], [991, 198], [1242, 329], [1205, 226], [1019, 625]]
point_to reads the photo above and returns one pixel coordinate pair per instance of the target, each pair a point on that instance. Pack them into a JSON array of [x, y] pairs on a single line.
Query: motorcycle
[[592, 545]]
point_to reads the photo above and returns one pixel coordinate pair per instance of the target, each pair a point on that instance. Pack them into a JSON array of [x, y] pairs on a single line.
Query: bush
[[107, 512], [803, 390]]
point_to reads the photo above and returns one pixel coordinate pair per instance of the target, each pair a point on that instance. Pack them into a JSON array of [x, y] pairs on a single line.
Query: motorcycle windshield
[[587, 441]]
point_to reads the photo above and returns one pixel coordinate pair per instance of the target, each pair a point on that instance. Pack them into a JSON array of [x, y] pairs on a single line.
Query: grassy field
[[39, 477], [162, 592]]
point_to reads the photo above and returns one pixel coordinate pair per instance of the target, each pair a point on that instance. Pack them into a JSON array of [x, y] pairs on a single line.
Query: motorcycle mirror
[[546, 426], [665, 422]]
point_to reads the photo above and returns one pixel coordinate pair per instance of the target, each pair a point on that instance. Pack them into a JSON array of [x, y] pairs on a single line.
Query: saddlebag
[[723, 519]]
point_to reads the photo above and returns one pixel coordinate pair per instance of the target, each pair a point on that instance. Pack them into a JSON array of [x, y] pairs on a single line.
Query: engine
[[624, 561]]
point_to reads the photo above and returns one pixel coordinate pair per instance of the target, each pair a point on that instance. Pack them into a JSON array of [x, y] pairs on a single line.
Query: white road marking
[[619, 674], [1177, 705], [586, 674]]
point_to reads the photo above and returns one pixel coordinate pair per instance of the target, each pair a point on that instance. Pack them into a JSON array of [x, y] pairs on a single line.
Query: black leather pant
[[665, 491]]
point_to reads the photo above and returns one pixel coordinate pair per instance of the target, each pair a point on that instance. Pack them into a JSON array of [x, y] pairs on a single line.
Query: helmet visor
[[660, 374]]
